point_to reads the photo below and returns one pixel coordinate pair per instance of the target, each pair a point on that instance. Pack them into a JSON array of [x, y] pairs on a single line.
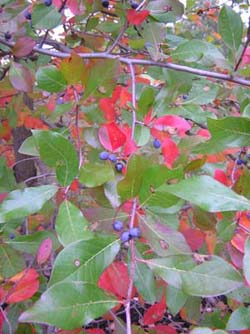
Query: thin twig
[[131, 272], [245, 47], [6, 320], [144, 62], [38, 177], [133, 86], [44, 39], [116, 41]]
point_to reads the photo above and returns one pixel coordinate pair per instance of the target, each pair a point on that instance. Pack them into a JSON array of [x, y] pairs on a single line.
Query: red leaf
[[23, 46], [115, 279], [130, 145], [26, 285], [204, 133], [94, 331], [136, 18], [155, 313], [172, 124], [220, 176], [239, 240], [164, 329], [5, 130], [246, 57], [3, 196], [31, 122], [108, 107], [170, 152], [44, 251], [195, 238], [111, 137]]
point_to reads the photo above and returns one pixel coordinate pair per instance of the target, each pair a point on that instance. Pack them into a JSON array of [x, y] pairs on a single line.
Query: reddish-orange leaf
[[155, 312], [74, 331], [246, 57], [31, 122], [111, 137], [172, 124], [170, 152], [108, 107], [220, 176], [115, 279], [23, 46], [26, 284], [195, 238], [94, 331], [44, 251], [5, 130], [136, 18], [211, 239], [164, 329], [238, 241]]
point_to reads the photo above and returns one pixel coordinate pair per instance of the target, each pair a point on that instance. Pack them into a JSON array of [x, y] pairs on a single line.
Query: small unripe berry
[[112, 157], [117, 225], [48, 3], [125, 236], [156, 143], [104, 155], [105, 3], [119, 166], [135, 232], [7, 36]]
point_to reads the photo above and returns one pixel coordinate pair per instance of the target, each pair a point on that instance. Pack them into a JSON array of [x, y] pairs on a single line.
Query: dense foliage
[[124, 169]]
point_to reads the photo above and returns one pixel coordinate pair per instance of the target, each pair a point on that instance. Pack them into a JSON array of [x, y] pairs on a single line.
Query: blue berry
[[125, 236], [12, 236], [103, 155], [48, 3], [112, 157], [7, 36], [134, 5], [184, 97], [156, 143], [119, 166], [105, 3], [241, 162], [135, 232], [117, 225], [27, 15]]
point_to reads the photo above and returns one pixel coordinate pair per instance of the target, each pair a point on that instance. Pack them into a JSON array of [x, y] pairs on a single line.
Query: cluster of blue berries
[[133, 4], [125, 236], [113, 158]]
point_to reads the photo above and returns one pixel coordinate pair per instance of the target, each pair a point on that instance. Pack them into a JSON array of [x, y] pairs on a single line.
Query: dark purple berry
[[125, 236], [47, 2], [7, 36], [117, 225], [112, 157], [119, 166], [12, 236], [135, 232], [134, 5], [241, 162], [103, 155], [105, 3], [156, 143], [27, 15], [184, 97]]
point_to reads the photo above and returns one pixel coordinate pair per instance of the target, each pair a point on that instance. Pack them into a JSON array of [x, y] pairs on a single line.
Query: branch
[[244, 49], [144, 62], [116, 42]]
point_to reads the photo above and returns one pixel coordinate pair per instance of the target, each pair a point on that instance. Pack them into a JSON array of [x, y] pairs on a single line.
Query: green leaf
[[21, 203], [102, 78], [7, 180], [146, 100], [190, 51], [246, 260], [157, 9], [30, 243], [11, 261], [71, 225], [209, 194], [142, 135], [239, 319], [73, 69], [201, 93], [29, 147], [230, 27], [45, 17], [226, 132], [175, 299], [130, 186], [69, 305], [84, 260], [163, 240], [49, 78], [95, 174], [144, 280], [213, 277], [57, 151], [152, 34]]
